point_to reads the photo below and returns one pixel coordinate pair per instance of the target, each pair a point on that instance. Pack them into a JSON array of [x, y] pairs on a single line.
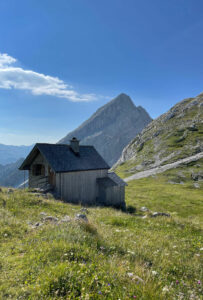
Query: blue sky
[[60, 60]]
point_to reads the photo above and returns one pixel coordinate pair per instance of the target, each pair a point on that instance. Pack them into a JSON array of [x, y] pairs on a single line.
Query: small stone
[[157, 214], [81, 217], [143, 209], [43, 214], [51, 219], [84, 210], [144, 217], [196, 185], [66, 219], [38, 224]]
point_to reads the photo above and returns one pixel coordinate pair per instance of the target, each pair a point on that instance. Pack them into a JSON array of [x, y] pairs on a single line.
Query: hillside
[[10, 154], [175, 135], [111, 127], [116, 255]]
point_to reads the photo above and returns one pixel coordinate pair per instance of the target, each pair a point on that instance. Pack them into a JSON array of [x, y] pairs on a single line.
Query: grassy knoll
[[115, 256]]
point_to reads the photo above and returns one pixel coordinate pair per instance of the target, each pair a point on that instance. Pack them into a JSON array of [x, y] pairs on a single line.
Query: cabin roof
[[62, 158], [111, 180], [119, 181]]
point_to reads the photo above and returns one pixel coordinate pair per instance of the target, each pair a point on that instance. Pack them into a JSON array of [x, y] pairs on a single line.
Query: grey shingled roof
[[62, 159], [106, 182], [113, 176], [111, 180]]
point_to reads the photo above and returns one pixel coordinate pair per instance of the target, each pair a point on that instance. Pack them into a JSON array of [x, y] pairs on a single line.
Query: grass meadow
[[116, 255]]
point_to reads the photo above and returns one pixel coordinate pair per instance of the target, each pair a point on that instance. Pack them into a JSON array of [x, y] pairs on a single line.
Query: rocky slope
[[111, 127], [174, 135]]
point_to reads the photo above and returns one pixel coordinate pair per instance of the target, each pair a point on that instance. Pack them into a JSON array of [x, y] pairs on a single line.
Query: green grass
[[115, 256]]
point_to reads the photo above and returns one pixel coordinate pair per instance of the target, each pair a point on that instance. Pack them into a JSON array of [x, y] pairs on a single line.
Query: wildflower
[[198, 282], [131, 252], [134, 297], [154, 272], [165, 289], [130, 274], [177, 281], [109, 284], [99, 292]]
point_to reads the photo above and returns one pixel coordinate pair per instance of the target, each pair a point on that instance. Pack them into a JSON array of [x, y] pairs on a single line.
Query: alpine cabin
[[76, 173]]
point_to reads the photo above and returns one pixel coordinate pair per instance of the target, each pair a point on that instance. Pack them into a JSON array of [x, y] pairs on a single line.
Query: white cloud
[[12, 77]]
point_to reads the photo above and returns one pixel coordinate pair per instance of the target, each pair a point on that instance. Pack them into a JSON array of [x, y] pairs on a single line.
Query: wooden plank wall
[[79, 187], [115, 196]]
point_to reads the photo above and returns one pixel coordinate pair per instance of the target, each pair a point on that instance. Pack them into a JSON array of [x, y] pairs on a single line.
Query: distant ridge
[[111, 127], [10, 154]]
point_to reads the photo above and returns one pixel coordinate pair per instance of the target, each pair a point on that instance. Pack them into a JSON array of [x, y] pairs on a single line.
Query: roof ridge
[[52, 144]]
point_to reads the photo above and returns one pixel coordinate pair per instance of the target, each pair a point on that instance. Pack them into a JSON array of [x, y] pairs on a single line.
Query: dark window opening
[[38, 169]]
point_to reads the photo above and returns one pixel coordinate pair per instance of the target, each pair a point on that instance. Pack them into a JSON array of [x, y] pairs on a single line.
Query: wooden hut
[[77, 173]]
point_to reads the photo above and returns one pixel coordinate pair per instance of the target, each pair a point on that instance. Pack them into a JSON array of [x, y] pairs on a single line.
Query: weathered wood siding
[[38, 181], [112, 196], [79, 187], [115, 196]]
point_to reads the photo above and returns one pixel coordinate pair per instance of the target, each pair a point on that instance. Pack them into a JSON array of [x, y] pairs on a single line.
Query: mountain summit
[[111, 127]]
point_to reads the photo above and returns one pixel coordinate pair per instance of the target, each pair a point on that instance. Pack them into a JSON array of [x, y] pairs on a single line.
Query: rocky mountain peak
[[111, 127]]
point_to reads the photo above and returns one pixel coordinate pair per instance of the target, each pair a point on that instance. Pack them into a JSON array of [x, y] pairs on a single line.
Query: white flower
[[131, 252], [154, 273], [165, 289]]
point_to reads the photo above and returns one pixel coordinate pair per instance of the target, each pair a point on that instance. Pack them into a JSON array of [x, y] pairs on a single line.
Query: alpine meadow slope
[[111, 127], [174, 135]]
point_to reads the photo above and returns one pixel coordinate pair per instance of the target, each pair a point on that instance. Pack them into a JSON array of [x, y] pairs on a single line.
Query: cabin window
[[38, 169]]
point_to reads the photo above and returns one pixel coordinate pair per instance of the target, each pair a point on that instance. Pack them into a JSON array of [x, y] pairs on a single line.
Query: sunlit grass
[[116, 256]]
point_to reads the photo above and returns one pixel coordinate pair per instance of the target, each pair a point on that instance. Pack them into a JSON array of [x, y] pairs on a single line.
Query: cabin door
[[52, 177]]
